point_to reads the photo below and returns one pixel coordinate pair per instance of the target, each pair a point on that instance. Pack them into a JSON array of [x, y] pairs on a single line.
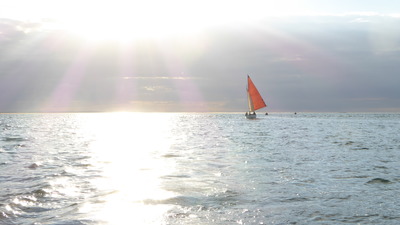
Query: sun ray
[[63, 94]]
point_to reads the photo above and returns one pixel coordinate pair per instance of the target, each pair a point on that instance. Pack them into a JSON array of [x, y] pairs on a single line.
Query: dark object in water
[[379, 181], [33, 166]]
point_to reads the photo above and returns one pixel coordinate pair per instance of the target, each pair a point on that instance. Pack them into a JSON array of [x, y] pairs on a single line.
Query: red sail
[[255, 96]]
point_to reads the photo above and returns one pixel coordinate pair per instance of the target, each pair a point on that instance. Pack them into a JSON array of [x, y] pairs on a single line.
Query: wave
[[14, 139], [379, 181]]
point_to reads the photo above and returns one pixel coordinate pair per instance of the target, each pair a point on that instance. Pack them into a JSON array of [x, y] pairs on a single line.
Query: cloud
[[160, 78], [312, 63], [360, 20]]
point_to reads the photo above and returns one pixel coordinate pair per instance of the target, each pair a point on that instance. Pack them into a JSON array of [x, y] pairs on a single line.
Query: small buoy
[[33, 166]]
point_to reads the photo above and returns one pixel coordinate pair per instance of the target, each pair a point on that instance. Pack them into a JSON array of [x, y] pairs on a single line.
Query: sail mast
[[249, 100]]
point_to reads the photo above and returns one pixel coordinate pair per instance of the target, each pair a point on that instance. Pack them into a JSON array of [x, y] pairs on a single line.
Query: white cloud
[[360, 20]]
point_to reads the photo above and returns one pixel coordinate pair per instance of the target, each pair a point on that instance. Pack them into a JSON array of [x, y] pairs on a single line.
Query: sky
[[194, 56]]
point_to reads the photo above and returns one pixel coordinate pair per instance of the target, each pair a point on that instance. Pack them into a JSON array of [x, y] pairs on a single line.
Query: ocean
[[199, 168]]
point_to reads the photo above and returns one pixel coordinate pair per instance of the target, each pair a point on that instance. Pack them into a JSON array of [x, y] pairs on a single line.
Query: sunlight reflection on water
[[128, 149]]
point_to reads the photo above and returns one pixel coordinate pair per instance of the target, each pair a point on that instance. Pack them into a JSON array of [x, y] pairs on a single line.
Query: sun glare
[[129, 20], [123, 20]]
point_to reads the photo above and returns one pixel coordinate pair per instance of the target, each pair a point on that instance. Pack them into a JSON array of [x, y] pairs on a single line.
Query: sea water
[[187, 168]]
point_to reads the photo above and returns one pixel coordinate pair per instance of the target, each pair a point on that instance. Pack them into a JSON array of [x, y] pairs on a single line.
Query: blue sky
[[323, 56]]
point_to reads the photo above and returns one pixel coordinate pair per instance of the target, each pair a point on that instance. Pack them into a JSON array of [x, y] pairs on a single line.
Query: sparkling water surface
[[188, 168]]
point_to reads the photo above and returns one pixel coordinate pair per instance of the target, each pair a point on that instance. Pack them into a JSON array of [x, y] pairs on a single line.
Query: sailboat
[[254, 99]]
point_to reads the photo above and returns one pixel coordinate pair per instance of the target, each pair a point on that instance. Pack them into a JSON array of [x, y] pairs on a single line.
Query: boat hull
[[251, 115]]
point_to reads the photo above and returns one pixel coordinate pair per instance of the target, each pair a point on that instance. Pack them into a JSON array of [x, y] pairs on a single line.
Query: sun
[[129, 20], [125, 21]]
